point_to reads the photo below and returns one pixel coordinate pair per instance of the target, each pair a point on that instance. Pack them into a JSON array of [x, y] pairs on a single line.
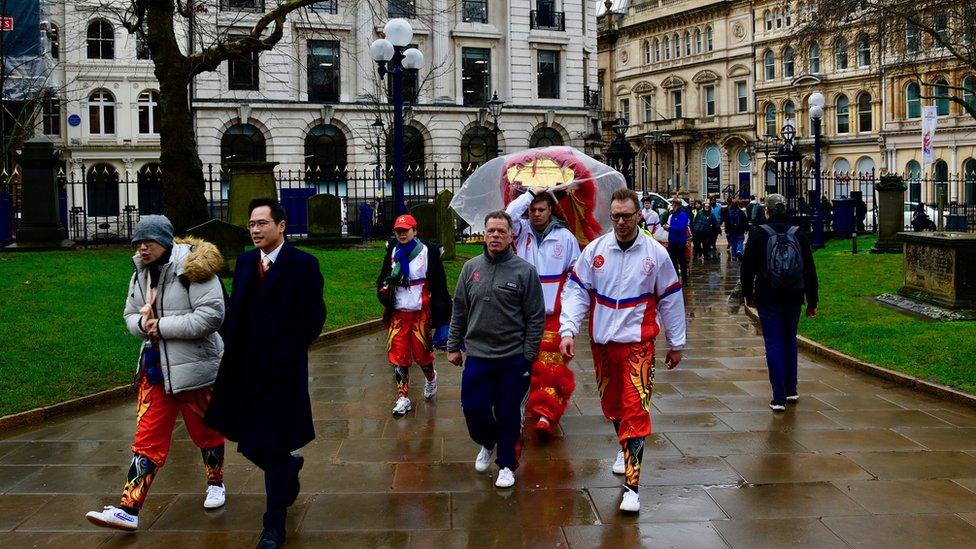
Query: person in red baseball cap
[[412, 287]]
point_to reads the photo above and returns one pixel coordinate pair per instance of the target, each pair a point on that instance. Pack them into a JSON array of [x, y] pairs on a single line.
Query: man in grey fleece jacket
[[498, 317]]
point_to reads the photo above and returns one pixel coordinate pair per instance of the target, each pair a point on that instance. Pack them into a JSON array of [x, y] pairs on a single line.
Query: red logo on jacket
[[476, 276], [557, 251], [598, 262]]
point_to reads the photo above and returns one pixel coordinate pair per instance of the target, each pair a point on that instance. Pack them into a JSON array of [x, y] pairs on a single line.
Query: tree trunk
[[184, 200]]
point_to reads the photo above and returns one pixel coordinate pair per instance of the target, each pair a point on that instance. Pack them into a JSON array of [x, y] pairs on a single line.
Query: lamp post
[[653, 139], [620, 155], [817, 221], [495, 106], [395, 61], [379, 131]]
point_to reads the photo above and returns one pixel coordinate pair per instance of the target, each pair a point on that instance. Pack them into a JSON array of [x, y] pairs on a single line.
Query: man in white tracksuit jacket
[[628, 279], [545, 242]]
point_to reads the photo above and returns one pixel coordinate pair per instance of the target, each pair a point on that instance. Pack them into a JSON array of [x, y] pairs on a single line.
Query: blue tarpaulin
[[24, 63]]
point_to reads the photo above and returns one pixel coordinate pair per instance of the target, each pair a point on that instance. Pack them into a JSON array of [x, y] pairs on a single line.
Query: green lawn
[[61, 330], [853, 323]]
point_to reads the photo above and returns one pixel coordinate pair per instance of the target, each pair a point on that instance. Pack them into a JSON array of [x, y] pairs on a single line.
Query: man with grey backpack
[[778, 274]]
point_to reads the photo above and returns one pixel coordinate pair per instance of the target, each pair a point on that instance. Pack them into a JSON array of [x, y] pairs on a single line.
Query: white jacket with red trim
[[411, 298], [624, 291], [553, 258]]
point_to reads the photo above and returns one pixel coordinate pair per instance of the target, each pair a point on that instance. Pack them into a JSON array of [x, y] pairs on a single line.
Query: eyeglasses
[[622, 216]]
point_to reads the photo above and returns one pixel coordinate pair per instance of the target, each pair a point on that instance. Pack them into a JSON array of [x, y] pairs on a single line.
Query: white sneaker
[[483, 461], [630, 502], [215, 497], [113, 517], [619, 467], [402, 406], [506, 478], [430, 387]]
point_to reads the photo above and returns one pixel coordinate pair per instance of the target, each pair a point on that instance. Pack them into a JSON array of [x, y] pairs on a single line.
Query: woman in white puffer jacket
[[175, 305]]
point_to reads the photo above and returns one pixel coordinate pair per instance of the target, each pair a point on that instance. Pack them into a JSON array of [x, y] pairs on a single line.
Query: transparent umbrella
[[581, 184]]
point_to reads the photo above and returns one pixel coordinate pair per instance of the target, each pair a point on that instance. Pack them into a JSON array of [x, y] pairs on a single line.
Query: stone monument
[[891, 216], [325, 223], [40, 226], [248, 180], [940, 276]]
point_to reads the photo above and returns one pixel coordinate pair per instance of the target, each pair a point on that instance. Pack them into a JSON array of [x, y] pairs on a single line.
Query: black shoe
[[271, 538], [298, 462], [777, 406]]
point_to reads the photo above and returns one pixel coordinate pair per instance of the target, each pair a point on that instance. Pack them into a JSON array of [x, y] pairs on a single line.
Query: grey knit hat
[[156, 228], [776, 203]]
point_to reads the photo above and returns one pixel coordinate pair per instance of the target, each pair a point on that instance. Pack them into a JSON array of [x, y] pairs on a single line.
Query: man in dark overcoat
[[260, 398]]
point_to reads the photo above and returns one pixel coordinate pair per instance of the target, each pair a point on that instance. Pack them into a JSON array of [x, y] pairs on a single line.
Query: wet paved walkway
[[857, 462]]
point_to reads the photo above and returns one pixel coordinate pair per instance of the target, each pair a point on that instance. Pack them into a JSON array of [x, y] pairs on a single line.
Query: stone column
[[891, 215], [249, 180], [440, 51], [40, 226]]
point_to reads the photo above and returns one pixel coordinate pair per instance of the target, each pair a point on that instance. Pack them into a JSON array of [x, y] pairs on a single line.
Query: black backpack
[[737, 221], [784, 259]]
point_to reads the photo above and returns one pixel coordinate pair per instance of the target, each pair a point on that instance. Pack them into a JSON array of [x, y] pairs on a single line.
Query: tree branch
[[211, 58], [139, 9]]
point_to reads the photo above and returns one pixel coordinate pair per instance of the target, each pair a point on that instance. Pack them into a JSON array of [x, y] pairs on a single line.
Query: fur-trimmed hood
[[194, 258]]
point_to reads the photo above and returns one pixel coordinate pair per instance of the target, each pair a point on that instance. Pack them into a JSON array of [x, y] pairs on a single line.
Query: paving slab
[[858, 462]]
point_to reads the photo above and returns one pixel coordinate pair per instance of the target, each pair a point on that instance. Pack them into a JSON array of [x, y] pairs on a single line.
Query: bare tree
[[917, 38]]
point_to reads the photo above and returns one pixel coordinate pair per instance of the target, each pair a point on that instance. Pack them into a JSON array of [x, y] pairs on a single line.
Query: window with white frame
[[813, 59], [709, 100], [647, 102], [698, 41], [101, 113], [625, 110], [863, 52], [708, 38], [101, 40], [843, 114], [788, 62], [769, 65], [148, 112], [840, 54], [741, 96], [676, 104]]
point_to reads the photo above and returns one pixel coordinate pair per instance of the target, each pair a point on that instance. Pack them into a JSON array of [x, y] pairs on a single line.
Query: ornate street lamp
[[379, 131], [620, 155], [816, 116], [653, 139], [395, 61], [495, 106]]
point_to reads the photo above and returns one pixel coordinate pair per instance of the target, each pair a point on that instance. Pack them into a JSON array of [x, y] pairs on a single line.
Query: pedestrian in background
[[678, 229]]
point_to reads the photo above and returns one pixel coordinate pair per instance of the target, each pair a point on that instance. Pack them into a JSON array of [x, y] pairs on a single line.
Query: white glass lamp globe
[[816, 112], [817, 100], [398, 31], [381, 50], [413, 59]]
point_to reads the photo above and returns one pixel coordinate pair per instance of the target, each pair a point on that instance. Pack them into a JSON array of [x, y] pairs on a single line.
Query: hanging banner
[[929, 120]]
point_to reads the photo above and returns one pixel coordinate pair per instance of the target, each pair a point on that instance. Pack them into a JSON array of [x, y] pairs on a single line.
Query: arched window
[[102, 183], [708, 38], [913, 38], [864, 115], [242, 143], [788, 62], [768, 20], [969, 180], [842, 178], [545, 137], [101, 113], [840, 54], [788, 16], [813, 59], [770, 118], [941, 182], [863, 51], [779, 18], [687, 43], [414, 153], [657, 50], [789, 112], [941, 92], [698, 41], [913, 172], [150, 181], [667, 48], [478, 146], [769, 65], [969, 91], [913, 103], [865, 168], [149, 112], [677, 46], [843, 114], [647, 51], [325, 159], [101, 40]]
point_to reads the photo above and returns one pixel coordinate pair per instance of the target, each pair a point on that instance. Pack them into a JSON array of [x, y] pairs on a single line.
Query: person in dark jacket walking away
[[498, 319], [702, 229], [677, 227], [777, 274], [175, 306], [412, 287], [736, 225], [261, 395]]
